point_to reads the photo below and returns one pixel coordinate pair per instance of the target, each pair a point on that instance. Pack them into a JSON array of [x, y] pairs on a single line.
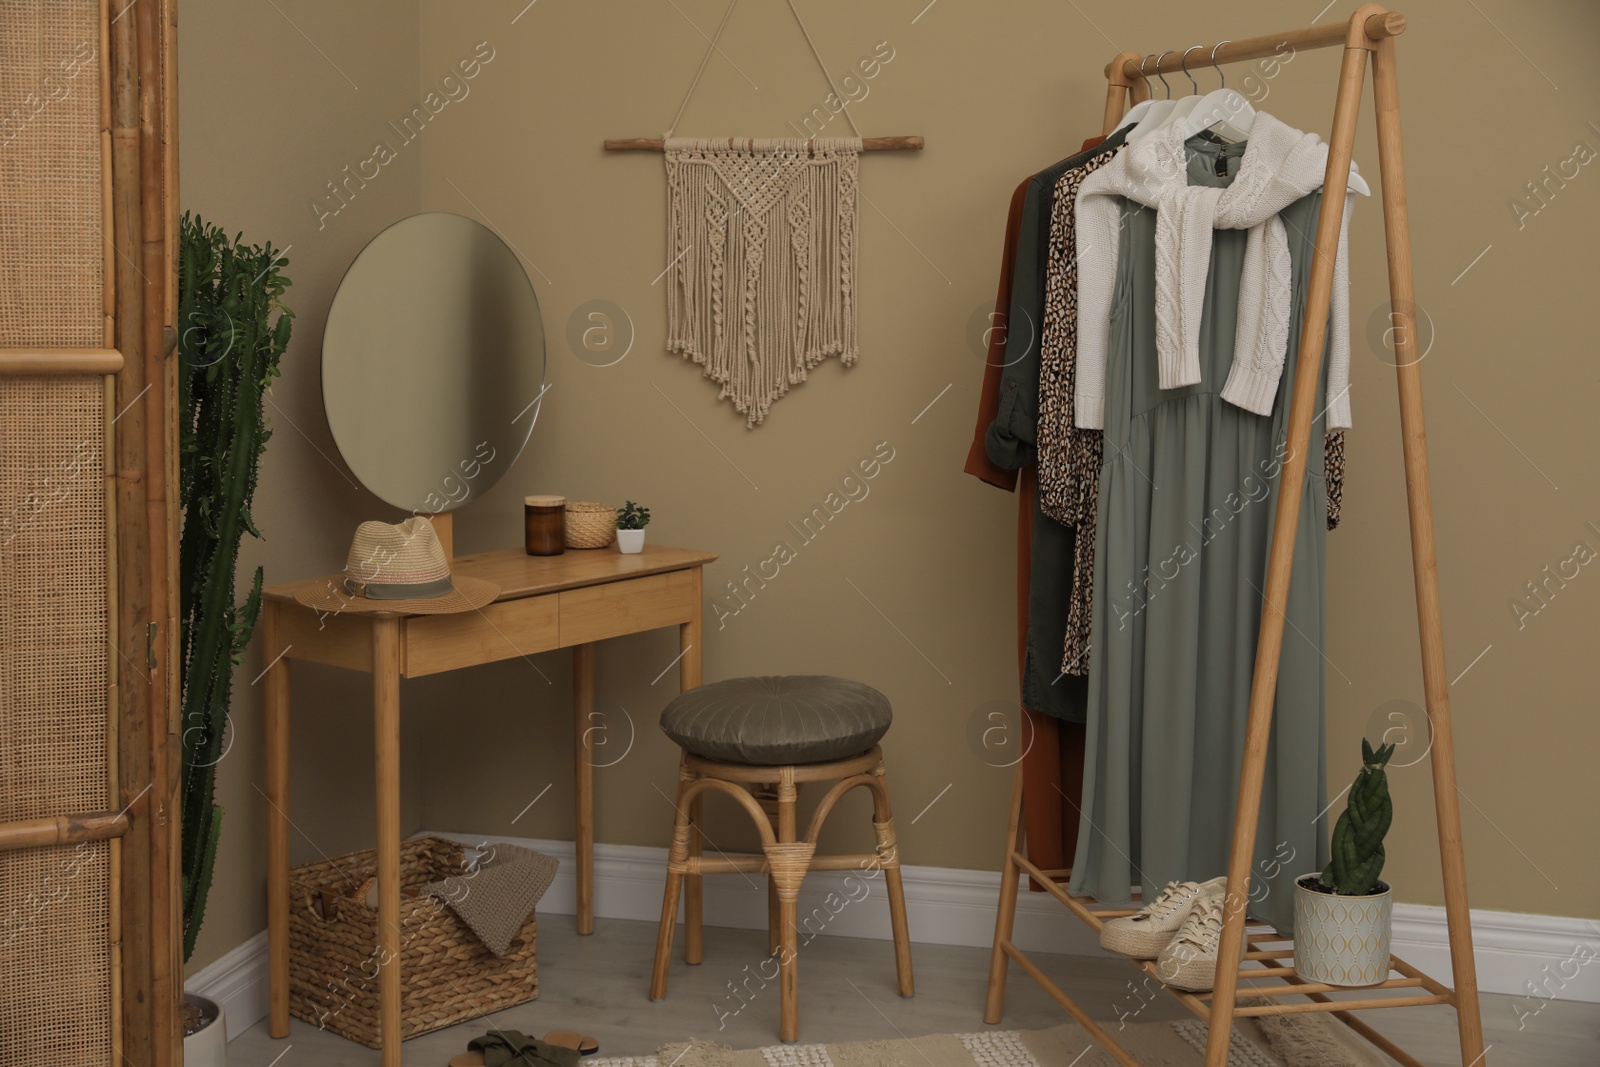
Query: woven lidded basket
[[590, 525], [447, 976]]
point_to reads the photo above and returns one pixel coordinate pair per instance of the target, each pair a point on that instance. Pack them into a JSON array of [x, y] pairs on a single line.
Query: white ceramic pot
[[630, 541], [207, 1046], [1338, 940]]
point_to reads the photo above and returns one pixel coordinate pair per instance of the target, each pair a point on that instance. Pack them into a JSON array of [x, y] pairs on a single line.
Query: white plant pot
[[630, 541], [208, 1046], [1341, 941]]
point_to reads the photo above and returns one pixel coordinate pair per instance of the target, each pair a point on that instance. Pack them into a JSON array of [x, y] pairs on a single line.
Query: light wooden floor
[[847, 993]]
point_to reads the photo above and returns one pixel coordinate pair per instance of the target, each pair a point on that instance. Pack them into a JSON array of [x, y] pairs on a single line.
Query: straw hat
[[399, 569]]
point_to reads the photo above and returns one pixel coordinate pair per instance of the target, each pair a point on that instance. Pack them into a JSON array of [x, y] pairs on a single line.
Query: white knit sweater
[[1280, 165]]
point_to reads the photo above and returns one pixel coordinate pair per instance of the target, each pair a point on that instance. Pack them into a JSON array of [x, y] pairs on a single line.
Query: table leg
[[386, 735], [690, 637], [583, 779], [275, 697]]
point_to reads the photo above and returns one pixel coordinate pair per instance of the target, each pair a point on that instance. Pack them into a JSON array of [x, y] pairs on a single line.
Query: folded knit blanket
[[496, 897]]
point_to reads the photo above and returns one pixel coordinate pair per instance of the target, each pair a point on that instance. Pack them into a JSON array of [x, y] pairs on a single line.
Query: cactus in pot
[[1358, 853], [1342, 916], [235, 331]]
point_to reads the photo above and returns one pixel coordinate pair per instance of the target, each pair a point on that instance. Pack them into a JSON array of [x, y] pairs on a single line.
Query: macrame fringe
[[761, 238]]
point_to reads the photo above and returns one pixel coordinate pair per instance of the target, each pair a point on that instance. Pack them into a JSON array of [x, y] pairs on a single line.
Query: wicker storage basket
[[590, 525], [447, 976]]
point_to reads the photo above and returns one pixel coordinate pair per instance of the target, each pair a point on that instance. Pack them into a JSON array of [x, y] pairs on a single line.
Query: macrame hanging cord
[[712, 47], [761, 236]]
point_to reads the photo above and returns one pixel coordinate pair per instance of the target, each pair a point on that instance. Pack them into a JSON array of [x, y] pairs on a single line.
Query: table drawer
[[504, 630], [627, 607]]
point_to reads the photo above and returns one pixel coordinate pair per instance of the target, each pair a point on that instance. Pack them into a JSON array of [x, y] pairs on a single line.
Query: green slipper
[[512, 1048]]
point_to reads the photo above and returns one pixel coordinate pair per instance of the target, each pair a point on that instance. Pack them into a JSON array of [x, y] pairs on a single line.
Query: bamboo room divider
[[89, 968], [1369, 32]]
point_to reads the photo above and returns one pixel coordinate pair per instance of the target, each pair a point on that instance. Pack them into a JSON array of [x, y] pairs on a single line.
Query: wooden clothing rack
[[1371, 31]]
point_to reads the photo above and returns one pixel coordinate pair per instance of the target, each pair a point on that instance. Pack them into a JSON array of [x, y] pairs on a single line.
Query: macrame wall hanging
[[761, 247]]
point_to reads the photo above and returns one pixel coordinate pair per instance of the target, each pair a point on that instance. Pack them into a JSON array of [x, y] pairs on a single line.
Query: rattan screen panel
[[54, 751], [52, 260]]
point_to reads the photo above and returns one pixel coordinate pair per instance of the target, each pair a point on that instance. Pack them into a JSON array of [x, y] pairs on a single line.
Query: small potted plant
[[1342, 916], [631, 521]]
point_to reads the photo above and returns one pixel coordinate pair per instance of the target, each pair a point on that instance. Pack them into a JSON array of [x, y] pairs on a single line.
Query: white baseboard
[[1543, 956]]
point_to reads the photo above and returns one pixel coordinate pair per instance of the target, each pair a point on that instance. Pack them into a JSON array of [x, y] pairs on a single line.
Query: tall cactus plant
[[1358, 854], [234, 329]]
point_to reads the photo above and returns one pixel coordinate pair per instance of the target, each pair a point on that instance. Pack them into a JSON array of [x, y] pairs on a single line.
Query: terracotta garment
[[1053, 764]]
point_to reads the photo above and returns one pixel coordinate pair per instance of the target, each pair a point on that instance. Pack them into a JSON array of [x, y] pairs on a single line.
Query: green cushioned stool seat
[[776, 720]]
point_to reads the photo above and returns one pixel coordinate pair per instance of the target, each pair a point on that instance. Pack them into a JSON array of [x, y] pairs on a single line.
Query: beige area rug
[[1303, 1041]]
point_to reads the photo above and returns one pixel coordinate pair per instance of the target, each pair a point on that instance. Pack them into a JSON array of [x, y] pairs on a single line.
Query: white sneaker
[[1189, 962], [1144, 935]]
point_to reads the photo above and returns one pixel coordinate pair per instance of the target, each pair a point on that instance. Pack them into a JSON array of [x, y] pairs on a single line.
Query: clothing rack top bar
[[1379, 26], [868, 144]]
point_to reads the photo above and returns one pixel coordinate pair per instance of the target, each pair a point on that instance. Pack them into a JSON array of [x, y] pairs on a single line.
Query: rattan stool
[[769, 794]]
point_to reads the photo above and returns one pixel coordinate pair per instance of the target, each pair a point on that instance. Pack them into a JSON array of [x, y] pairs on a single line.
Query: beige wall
[[265, 122], [910, 588]]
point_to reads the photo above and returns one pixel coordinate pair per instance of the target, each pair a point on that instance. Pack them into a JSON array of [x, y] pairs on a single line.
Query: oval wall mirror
[[433, 362]]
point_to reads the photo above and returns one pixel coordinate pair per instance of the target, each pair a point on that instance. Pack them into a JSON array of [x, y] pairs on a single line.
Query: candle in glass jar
[[544, 522]]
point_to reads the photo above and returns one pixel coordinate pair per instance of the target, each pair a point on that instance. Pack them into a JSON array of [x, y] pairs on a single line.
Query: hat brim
[[329, 594]]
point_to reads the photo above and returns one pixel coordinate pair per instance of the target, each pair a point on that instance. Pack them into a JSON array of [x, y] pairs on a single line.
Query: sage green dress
[[1188, 489]]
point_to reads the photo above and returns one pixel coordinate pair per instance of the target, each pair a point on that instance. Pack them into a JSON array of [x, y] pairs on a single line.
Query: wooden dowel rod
[[1331, 35], [1281, 551], [868, 144], [1200, 1008], [1049, 885], [1431, 984], [1085, 1020], [1005, 915], [1305, 989], [1424, 551], [62, 830], [863, 862], [726, 864], [1378, 1040], [1338, 1005], [60, 361], [1117, 87], [1266, 938], [1114, 108], [1354, 1023]]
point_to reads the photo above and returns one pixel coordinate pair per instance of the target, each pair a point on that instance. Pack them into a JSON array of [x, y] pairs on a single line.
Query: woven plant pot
[[590, 525], [447, 976]]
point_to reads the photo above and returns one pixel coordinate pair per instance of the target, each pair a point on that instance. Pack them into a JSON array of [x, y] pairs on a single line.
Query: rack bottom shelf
[[1317, 999], [1268, 985]]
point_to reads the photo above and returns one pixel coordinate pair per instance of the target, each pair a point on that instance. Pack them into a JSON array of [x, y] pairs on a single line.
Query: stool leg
[[787, 862], [767, 796], [693, 893], [889, 860], [774, 922], [677, 865]]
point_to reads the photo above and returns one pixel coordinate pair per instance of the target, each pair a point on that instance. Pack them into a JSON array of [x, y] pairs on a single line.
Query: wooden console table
[[546, 602]]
